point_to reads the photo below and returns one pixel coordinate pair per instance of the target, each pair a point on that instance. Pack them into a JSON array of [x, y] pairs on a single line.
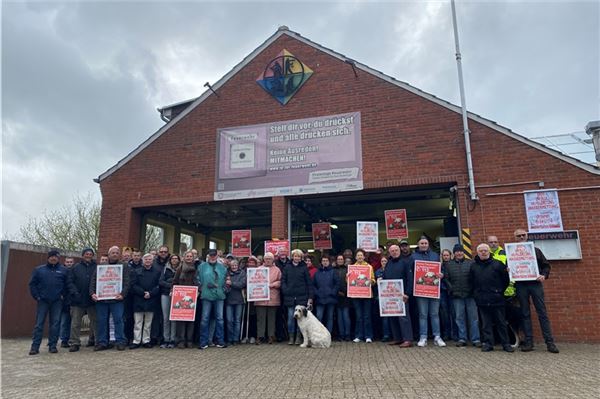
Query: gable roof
[[283, 30]]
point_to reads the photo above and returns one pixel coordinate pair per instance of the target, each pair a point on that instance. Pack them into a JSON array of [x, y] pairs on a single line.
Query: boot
[[271, 340]]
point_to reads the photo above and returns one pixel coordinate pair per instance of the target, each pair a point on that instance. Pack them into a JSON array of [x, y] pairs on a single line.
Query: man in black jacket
[[535, 290], [489, 278], [79, 291], [459, 284], [146, 293], [399, 267]]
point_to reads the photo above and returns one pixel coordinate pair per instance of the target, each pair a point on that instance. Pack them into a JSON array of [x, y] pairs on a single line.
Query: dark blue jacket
[[428, 255], [326, 285], [401, 268], [234, 295], [166, 280], [48, 282]]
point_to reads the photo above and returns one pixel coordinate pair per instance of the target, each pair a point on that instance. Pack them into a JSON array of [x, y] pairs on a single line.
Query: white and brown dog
[[315, 334]]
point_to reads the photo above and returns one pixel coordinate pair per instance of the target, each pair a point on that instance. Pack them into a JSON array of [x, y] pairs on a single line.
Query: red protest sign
[[396, 224], [359, 281], [321, 234], [427, 281], [183, 303], [278, 247], [241, 242]]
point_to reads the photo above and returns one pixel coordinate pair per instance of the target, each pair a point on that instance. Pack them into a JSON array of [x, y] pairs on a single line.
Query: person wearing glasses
[[535, 291]]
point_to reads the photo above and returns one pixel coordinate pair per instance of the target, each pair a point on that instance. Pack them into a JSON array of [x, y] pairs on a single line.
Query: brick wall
[[406, 140]]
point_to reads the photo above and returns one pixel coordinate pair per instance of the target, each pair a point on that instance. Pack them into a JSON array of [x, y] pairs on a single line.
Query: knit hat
[[53, 252], [87, 250], [457, 248]]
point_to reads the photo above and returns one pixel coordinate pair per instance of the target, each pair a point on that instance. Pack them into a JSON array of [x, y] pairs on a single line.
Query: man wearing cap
[[48, 286], [211, 277], [111, 306], [535, 291], [459, 285], [79, 293]]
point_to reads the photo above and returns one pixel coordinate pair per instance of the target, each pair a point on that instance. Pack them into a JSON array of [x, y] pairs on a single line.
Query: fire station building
[[297, 133]]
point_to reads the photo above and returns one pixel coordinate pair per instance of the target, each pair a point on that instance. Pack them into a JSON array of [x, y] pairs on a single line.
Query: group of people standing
[[474, 297]]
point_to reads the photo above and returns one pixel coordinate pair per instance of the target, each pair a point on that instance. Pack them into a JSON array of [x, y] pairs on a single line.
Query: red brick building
[[413, 157]]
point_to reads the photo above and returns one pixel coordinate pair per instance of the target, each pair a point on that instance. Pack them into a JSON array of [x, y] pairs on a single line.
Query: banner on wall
[[184, 299], [293, 157], [396, 224], [278, 247], [521, 261], [109, 281], [543, 211], [427, 282], [321, 234], [241, 243], [367, 236]]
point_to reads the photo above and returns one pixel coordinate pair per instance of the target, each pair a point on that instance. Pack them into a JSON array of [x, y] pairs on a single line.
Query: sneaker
[[252, 340], [203, 347], [163, 346], [53, 349], [369, 341], [291, 341], [439, 341], [422, 342], [527, 347], [171, 345], [34, 351], [134, 346], [64, 344], [120, 347], [461, 343], [552, 348], [508, 348], [74, 348], [221, 346], [356, 340], [477, 344]]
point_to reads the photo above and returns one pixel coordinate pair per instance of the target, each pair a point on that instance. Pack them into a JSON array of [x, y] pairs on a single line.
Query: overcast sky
[[81, 81]]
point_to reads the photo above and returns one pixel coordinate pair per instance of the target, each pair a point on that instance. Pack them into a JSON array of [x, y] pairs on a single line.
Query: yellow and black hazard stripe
[[466, 242]]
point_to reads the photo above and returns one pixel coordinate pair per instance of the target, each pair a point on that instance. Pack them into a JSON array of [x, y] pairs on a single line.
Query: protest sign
[[367, 236], [278, 247], [257, 284], [359, 281], [241, 243], [427, 282], [521, 261], [109, 281], [183, 303], [391, 293], [543, 211], [321, 234], [396, 225]]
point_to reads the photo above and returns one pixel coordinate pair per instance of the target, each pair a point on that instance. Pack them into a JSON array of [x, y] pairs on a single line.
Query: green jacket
[[211, 279]]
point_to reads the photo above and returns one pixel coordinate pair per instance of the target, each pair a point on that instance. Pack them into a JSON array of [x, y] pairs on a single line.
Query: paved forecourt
[[346, 370]]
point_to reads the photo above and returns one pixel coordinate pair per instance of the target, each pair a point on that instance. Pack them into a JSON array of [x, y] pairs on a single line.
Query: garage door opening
[[431, 212]]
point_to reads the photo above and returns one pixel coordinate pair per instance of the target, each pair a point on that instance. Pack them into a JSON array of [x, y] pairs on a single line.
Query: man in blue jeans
[[459, 284], [48, 286], [212, 276], [110, 306], [535, 291]]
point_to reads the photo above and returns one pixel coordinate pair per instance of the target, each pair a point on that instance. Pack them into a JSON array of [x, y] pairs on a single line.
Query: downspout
[[463, 105]]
